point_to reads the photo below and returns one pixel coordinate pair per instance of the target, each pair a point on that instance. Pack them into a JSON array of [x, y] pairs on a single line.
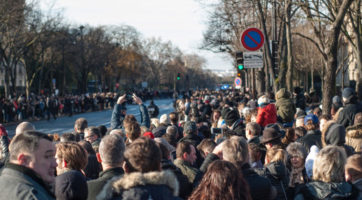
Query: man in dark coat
[[313, 136], [143, 178], [234, 122], [110, 155], [351, 108], [152, 110]]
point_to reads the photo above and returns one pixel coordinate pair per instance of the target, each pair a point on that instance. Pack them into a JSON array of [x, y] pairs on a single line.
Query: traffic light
[[239, 60], [238, 74], [178, 76]]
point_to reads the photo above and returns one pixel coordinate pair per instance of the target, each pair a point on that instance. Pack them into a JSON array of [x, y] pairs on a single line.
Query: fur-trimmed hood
[[354, 131], [129, 181]]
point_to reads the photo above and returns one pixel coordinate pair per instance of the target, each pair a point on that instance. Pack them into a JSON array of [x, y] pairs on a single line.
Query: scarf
[[296, 176]]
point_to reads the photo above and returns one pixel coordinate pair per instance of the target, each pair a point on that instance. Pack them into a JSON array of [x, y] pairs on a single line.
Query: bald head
[[24, 126]]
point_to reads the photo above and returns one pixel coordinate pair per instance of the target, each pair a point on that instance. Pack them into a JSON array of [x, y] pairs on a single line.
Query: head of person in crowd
[[215, 116], [55, 137], [129, 119], [68, 137], [165, 120], [349, 96], [186, 152], [91, 134], [70, 156], [353, 169], [300, 131], [173, 118], [165, 144], [36, 151], [171, 135], [323, 119], [255, 155], [93, 167], [296, 160], [190, 128], [71, 185], [24, 126], [311, 122], [80, 125], [231, 117], [133, 131], [329, 165], [142, 155], [118, 132], [206, 146], [252, 130], [102, 130], [354, 133], [235, 150], [222, 181], [336, 106], [289, 137], [276, 154], [111, 150], [271, 138], [317, 111]]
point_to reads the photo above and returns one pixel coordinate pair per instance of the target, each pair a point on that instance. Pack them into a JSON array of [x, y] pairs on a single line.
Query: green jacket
[[285, 106], [193, 175]]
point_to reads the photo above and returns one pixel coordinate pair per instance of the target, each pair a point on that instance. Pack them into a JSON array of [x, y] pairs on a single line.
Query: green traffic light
[[178, 78], [241, 67]]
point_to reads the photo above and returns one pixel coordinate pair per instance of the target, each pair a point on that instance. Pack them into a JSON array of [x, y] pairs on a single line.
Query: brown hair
[[310, 126], [81, 124], [183, 147], [173, 117], [222, 181], [128, 119], [133, 130], [289, 136], [354, 166], [142, 155], [73, 153], [357, 118], [276, 154]]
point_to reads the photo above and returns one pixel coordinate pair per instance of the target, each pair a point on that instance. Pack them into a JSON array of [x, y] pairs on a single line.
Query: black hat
[[270, 134], [348, 93], [231, 117]]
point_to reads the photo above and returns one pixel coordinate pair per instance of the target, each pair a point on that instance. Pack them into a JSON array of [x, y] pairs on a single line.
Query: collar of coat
[[354, 131], [128, 181]]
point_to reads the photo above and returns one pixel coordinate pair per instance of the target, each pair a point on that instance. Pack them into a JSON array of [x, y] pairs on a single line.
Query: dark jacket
[[117, 117], [300, 101], [346, 116], [185, 186], [142, 186], [21, 183], [354, 137], [319, 190], [312, 137], [4, 145], [71, 185], [239, 128], [285, 106], [152, 110], [192, 138], [160, 130], [277, 173], [93, 167], [260, 187], [96, 186], [193, 175]]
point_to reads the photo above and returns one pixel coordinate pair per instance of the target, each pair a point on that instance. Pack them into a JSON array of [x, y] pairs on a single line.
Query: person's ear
[[99, 157], [125, 168], [23, 159], [64, 164], [184, 156]]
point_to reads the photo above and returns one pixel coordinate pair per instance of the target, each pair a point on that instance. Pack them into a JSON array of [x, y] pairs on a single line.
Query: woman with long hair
[[222, 181]]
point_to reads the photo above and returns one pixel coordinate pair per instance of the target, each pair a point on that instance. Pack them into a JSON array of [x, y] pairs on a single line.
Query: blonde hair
[[276, 154], [235, 150], [329, 164]]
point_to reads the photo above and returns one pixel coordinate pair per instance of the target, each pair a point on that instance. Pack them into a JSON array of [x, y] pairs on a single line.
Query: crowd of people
[[37, 107], [221, 145]]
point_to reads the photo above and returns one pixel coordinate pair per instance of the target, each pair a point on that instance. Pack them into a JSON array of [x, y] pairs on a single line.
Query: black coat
[[313, 137], [95, 186], [346, 116], [260, 187], [319, 190], [142, 186]]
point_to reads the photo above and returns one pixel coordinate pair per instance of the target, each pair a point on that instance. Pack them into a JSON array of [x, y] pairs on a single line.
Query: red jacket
[[266, 115]]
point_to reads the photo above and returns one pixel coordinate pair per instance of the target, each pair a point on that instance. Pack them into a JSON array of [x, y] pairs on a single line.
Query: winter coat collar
[[354, 131], [135, 179], [322, 190], [111, 172]]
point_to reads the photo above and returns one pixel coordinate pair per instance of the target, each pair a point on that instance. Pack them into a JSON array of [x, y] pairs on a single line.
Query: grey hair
[[254, 128], [235, 150], [111, 149], [329, 164], [297, 149], [24, 126]]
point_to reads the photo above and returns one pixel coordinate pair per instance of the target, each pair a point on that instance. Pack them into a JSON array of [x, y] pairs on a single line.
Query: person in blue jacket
[[120, 110]]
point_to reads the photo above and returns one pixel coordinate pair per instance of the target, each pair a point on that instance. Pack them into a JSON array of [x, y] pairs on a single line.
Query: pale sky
[[180, 21]]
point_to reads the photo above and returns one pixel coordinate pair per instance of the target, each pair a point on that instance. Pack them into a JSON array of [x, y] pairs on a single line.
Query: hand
[[121, 99], [137, 99]]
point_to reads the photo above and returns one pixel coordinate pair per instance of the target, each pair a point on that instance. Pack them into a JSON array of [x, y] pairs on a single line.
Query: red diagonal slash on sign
[[247, 34]]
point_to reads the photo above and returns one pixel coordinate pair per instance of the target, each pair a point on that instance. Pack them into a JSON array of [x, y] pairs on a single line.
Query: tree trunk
[[289, 47]]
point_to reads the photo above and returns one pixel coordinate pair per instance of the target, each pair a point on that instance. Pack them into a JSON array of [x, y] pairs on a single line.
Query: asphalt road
[[66, 124]]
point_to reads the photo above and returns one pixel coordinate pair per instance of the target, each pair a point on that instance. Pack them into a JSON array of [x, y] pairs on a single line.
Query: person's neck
[[107, 167]]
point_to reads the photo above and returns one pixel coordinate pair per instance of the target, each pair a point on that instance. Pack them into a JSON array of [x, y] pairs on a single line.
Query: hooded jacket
[[266, 115], [320, 190], [285, 106], [354, 137], [346, 115], [142, 186]]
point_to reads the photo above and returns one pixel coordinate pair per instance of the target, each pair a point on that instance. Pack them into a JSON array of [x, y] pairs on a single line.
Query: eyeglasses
[[89, 137]]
